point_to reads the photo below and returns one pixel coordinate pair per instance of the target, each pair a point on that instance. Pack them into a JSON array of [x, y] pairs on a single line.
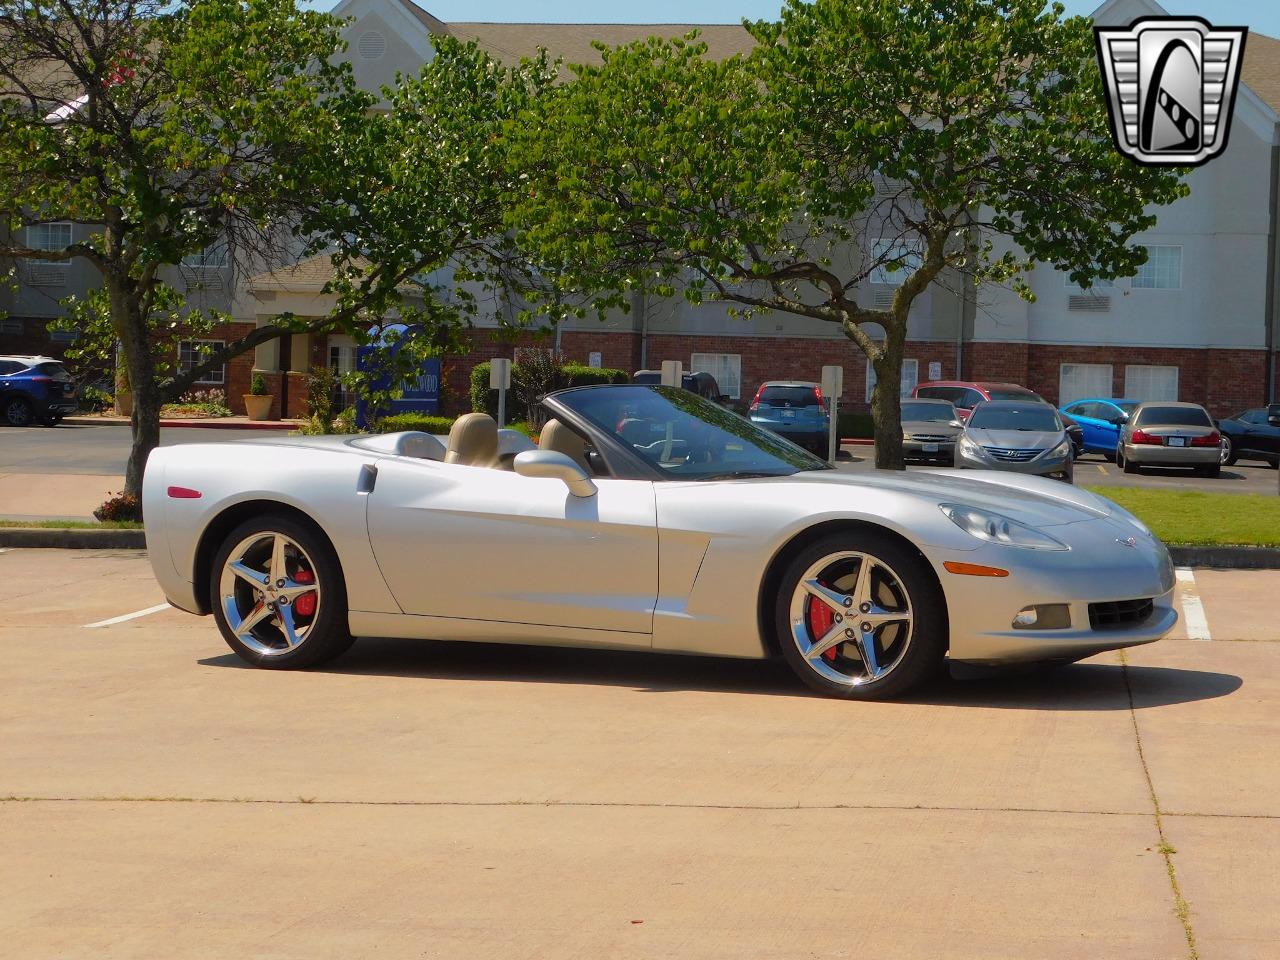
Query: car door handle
[[368, 477]]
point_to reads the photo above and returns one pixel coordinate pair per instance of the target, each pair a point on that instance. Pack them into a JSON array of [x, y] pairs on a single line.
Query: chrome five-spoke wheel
[[851, 617], [278, 594], [861, 615], [269, 593]]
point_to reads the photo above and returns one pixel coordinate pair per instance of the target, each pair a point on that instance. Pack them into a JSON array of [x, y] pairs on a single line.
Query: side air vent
[[371, 45], [1088, 303]]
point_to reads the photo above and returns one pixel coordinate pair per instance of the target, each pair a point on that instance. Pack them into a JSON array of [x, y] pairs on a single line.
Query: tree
[[859, 136], [171, 129]]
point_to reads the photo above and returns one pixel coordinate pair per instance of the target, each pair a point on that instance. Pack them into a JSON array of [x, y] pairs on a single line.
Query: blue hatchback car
[[1101, 419], [35, 390], [793, 409]]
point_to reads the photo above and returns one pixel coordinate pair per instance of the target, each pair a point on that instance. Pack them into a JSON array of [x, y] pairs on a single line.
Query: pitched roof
[[305, 276], [1261, 68], [571, 42]]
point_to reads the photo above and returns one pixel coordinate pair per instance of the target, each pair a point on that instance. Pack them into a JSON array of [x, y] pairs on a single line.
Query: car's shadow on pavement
[[1089, 686]]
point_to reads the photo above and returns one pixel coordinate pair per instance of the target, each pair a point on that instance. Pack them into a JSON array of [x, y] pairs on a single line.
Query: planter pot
[[257, 407], [124, 403]]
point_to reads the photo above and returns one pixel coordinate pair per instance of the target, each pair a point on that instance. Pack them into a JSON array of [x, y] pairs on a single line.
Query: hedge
[[414, 421], [854, 426], [485, 400]]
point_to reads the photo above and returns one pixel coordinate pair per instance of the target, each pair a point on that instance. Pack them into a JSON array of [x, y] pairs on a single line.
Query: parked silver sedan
[[1167, 434], [1018, 436], [929, 431]]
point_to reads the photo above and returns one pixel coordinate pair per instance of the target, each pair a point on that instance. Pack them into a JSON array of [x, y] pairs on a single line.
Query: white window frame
[[909, 381], [1152, 279], [33, 228], [885, 248], [1136, 395], [1063, 399], [711, 363], [213, 257], [185, 365]]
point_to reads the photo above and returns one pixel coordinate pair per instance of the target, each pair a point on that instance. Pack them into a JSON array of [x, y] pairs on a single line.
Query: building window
[[342, 361], [725, 367], [886, 253], [212, 257], [910, 378], [193, 352], [12, 328], [49, 236], [1078, 380], [1144, 382], [1162, 271]]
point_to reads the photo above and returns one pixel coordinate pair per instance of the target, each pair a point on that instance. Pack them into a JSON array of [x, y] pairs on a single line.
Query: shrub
[[484, 400], [321, 385], [258, 385], [199, 403], [94, 399], [414, 421], [857, 426], [120, 506]]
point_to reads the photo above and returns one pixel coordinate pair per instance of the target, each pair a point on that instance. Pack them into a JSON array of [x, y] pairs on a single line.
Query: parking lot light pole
[[500, 380]]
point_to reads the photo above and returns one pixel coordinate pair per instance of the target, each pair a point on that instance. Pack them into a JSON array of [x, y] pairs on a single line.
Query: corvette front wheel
[[861, 616], [278, 594]]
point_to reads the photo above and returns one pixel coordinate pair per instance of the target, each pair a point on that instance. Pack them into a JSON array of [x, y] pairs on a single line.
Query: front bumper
[[915, 450], [1059, 468], [1100, 568]]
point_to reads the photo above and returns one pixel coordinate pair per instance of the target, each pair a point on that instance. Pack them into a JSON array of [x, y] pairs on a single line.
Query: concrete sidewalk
[[482, 801]]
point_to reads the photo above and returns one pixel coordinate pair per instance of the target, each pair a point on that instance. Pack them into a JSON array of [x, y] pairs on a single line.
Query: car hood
[[1014, 439], [930, 427], [1031, 500]]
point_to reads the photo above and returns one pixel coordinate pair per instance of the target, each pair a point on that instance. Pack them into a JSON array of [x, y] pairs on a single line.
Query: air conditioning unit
[[882, 297], [47, 274], [888, 187], [1089, 303], [206, 278]]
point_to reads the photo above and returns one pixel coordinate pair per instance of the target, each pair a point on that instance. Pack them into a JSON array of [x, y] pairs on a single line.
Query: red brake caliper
[[305, 605], [821, 617]]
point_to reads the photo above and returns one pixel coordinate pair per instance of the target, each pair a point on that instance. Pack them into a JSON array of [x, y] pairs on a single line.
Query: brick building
[[1198, 323]]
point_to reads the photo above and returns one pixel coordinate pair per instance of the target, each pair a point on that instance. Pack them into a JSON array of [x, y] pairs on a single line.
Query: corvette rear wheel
[[861, 616], [278, 595]]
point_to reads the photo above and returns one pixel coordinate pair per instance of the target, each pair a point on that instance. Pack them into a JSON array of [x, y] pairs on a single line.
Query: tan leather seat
[[556, 436], [473, 441]]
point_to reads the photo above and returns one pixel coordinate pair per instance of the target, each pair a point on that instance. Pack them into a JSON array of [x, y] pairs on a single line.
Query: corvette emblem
[[1127, 541], [1171, 86]]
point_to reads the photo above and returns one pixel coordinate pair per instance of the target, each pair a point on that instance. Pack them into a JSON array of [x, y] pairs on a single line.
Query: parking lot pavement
[[466, 800], [102, 450], [1092, 470]]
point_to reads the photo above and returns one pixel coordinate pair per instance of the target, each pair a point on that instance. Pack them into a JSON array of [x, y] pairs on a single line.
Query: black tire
[[923, 657], [16, 411], [1229, 457], [53, 421], [1128, 466], [329, 634], [1211, 471]]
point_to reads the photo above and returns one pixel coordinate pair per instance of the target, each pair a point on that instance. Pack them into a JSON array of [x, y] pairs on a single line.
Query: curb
[[72, 539], [190, 424], [1226, 558]]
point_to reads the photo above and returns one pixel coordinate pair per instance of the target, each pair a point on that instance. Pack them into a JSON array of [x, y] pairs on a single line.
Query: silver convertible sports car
[[647, 519]]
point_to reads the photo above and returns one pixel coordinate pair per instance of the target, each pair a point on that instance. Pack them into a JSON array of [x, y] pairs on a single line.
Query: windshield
[[789, 396], [1174, 417], [1034, 417], [927, 412], [687, 437]]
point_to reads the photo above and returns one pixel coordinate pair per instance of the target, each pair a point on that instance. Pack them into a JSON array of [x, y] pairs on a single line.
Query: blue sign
[[420, 392]]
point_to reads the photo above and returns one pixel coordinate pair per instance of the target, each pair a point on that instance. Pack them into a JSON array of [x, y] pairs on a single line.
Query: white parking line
[[1192, 608], [130, 616]]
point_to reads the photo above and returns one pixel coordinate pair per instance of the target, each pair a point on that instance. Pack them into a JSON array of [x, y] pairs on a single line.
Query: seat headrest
[[473, 441], [556, 436]]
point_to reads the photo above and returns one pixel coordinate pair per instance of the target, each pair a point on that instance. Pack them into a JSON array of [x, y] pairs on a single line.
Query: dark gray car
[[929, 431], [1017, 436]]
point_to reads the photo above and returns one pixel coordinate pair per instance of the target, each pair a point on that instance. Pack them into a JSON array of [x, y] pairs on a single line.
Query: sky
[[1260, 15]]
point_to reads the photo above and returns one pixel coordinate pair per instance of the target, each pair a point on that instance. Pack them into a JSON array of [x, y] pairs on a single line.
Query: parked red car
[[967, 394]]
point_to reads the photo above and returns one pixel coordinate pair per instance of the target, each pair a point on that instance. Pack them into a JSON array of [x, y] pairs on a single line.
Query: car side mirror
[[551, 465]]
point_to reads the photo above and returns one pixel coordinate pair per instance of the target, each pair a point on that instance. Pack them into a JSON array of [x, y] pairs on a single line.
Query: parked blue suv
[[793, 409], [1101, 420], [35, 390]]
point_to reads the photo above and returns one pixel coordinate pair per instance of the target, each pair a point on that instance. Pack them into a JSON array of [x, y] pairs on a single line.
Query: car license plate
[[1177, 441], [788, 414], [929, 447]]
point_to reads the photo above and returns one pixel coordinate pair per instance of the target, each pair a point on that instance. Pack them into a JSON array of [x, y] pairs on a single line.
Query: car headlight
[[994, 528], [1061, 450], [971, 448]]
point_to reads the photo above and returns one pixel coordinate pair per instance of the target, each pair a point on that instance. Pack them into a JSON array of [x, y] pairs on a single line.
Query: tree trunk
[[886, 402], [130, 322]]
